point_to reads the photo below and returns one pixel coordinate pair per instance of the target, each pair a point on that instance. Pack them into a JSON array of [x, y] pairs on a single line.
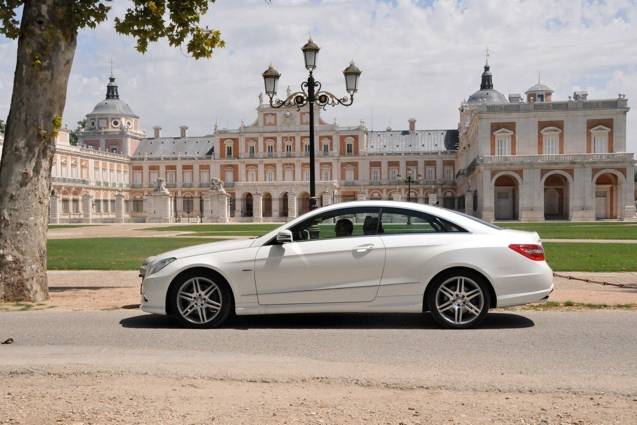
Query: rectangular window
[[229, 176], [270, 150], [448, 172], [375, 174], [251, 151], [188, 205], [269, 175], [289, 175], [153, 177], [393, 174], [349, 175], [97, 206], [349, 149], [187, 176], [325, 174], [137, 178], [229, 151], [76, 206], [306, 175], [204, 177], [430, 173], [503, 145], [138, 205], [171, 177], [288, 150], [65, 206], [326, 149], [600, 142]]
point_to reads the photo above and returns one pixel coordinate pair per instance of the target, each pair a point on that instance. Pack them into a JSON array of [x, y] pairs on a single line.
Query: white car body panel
[[330, 276]]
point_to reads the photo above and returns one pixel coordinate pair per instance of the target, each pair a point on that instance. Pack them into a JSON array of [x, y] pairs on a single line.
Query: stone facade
[[511, 158]]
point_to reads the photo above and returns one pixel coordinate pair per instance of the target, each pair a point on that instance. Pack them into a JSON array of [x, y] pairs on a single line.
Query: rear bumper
[[525, 288]]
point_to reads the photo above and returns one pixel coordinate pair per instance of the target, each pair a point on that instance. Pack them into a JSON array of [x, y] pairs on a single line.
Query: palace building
[[527, 158]]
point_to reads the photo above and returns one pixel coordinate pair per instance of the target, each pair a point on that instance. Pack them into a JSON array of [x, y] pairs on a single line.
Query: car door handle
[[363, 248]]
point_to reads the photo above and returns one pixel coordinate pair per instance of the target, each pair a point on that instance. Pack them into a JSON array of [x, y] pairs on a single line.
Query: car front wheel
[[200, 301], [459, 300]]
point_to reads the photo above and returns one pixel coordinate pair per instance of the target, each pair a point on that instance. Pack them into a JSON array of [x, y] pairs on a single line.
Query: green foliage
[[585, 230], [591, 257], [175, 20], [178, 21], [73, 135]]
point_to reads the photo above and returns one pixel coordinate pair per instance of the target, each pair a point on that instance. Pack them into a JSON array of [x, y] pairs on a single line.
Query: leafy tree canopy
[[74, 134], [178, 21]]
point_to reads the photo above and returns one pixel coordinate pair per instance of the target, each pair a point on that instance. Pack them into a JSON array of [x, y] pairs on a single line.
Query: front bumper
[[153, 294]]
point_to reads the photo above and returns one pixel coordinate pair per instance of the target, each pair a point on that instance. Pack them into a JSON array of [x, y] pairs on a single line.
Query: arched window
[[599, 136], [551, 140]]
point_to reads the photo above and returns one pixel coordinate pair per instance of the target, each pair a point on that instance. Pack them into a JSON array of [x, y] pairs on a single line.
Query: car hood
[[206, 248]]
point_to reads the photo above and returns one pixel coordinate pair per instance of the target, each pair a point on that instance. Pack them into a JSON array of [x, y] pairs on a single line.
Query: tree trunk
[[46, 47]]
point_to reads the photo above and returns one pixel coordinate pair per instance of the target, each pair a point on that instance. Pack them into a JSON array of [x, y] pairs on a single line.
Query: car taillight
[[532, 251]]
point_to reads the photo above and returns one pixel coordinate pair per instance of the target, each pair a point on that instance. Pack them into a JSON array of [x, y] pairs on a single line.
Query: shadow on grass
[[495, 320]]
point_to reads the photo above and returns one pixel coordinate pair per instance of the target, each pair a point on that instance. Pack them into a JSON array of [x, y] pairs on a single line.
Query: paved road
[[590, 351]]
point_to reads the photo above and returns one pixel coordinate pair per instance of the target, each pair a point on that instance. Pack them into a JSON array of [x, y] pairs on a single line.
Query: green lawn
[[591, 257], [128, 254], [247, 229], [109, 253], [592, 230]]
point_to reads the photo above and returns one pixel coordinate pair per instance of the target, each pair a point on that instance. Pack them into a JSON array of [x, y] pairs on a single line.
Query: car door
[[412, 239], [324, 263]]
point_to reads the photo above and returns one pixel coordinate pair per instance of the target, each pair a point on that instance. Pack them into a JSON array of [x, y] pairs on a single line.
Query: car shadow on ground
[[496, 320]]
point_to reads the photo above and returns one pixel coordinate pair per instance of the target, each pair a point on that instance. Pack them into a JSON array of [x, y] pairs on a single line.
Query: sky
[[420, 59]]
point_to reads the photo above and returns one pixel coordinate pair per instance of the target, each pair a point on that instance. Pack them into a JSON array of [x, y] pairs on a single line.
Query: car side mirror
[[284, 236]]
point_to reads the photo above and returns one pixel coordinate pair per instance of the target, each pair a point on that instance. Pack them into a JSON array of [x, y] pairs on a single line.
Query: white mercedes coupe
[[363, 256]]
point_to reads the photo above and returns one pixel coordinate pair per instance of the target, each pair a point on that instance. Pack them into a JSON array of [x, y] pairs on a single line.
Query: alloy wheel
[[199, 300], [459, 300]]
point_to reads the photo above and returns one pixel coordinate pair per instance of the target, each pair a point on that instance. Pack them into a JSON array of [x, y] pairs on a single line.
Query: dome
[[113, 107], [539, 87], [487, 96]]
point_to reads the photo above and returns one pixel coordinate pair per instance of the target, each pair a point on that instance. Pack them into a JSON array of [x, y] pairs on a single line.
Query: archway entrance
[[303, 203], [506, 198], [556, 197], [267, 205], [283, 205], [606, 196], [247, 210]]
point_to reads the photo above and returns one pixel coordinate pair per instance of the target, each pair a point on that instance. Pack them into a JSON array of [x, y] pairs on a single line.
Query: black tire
[[178, 304], [447, 316]]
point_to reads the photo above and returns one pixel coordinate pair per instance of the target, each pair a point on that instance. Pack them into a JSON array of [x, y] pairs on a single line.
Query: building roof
[[419, 141], [176, 147]]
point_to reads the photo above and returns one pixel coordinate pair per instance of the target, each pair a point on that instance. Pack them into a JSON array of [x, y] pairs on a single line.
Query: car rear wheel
[[201, 302], [459, 300]]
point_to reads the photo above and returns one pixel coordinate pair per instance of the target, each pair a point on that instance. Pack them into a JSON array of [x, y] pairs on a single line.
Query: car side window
[[400, 222], [342, 223]]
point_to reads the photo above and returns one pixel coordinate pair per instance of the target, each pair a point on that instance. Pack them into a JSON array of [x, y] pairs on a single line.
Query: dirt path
[[115, 398]]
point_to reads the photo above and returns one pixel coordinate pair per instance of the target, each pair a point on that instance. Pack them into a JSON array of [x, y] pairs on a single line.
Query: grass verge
[[570, 230], [591, 257]]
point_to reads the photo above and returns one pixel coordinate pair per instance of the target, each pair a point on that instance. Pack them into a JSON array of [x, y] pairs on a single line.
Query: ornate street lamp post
[[409, 180], [311, 94]]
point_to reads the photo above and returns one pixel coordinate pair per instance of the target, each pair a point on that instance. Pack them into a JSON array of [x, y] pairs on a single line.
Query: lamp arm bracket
[[297, 99], [325, 98]]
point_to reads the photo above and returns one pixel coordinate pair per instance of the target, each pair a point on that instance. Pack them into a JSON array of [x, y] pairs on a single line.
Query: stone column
[[583, 199], [360, 196], [531, 196], [120, 208], [629, 194], [257, 207], [468, 202], [433, 199], [216, 203], [275, 206], [87, 208], [291, 205], [487, 208], [54, 209]]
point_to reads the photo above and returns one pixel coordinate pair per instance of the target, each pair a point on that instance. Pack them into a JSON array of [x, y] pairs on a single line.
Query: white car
[[363, 256]]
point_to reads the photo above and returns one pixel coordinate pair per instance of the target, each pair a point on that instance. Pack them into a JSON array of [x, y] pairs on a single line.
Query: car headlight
[[156, 266]]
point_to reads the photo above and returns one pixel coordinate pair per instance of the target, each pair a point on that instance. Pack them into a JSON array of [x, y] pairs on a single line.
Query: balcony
[[69, 180], [561, 158]]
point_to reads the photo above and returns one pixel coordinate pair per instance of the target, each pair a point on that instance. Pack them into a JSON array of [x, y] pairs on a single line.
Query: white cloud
[[418, 60]]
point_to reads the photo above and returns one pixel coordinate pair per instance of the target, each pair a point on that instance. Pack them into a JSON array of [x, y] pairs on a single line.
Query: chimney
[[580, 95], [412, 125], [157, 130], [182, 130]]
